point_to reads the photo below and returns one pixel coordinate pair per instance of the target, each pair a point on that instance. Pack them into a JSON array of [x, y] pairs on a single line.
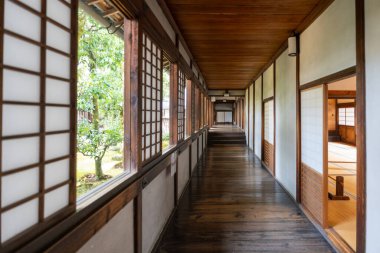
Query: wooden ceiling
[[232, 40]]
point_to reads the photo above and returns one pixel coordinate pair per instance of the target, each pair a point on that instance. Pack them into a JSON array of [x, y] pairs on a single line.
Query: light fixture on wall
[[292, 45], [226, 94]]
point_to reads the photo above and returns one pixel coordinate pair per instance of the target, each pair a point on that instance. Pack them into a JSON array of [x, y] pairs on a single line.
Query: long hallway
[[234, 205]]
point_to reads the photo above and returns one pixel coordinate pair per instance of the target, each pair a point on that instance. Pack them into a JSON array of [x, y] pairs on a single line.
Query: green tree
[[100, 90]]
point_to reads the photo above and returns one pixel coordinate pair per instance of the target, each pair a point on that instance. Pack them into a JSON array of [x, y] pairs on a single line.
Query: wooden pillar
[[189, 108], [132, 115], [173, 125], [132, 94]]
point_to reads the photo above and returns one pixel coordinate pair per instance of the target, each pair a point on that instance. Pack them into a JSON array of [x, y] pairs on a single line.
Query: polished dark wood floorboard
[[234, 205]]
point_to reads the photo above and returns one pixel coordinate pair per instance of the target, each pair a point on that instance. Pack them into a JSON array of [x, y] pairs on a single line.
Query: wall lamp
[[292, 45]]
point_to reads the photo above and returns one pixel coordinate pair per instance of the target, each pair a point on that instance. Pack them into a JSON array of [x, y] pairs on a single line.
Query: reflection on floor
[[342, 214]]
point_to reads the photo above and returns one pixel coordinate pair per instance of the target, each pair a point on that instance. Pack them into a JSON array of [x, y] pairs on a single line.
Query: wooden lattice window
[[151, 99], [347, 116], [37, 79], [181, 105]]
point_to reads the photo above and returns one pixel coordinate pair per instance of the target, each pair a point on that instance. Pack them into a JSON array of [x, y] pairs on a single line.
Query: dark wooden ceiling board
[[232, 40]]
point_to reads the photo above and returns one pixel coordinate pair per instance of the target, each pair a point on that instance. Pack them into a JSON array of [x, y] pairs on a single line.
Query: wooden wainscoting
[[347, 134], [268, 156], [312, 192]]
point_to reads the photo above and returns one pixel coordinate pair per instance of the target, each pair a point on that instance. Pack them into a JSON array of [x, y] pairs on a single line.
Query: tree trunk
[[95, 120], [98, 168]]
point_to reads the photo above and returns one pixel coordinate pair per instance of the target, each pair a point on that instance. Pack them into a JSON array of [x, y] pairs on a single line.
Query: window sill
[[101, 190]]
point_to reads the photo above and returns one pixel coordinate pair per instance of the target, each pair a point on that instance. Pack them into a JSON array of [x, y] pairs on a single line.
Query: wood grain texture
[[234, 205], [312, 192], [232, 40], [268, 156]]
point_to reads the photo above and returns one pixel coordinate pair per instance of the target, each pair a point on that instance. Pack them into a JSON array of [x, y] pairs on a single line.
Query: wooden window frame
[[181, 123], [157, 53], [43, 222]]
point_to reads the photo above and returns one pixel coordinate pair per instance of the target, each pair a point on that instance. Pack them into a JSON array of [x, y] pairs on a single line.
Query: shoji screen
[[251, 116], [37, 136], [151, 99], [246, 114], [258, 108], [269, 122], [228, 117], [220, 117], [268, 156], [312, 151], [181, 105]]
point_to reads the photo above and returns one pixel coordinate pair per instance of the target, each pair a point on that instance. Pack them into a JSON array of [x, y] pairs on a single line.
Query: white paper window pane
[[57, 118], [312, 128], [57, 38], [57, 92], [21, 54], [26, 24], [19, 152], [18, 186], [59, 12], [147, 153], [57, 145], [57, 64], [269, 122], [148, 140], [34, 4], [18, 86], [18, 219], [20, 119], [56, 200], [57, 172]]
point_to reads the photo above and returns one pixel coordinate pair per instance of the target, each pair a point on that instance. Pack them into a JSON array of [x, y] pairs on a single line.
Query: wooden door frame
[[360, 145], [263, 101]]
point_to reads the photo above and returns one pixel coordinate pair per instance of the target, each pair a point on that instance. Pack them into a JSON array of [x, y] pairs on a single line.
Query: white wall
[[268, 76], [328, 45], [251, 115], [184, 53], [157, 205], [155, 7], [193, 155], [200, 151], [285, 122], [115, 236], [183, 170], [258, 106], [372, 11]]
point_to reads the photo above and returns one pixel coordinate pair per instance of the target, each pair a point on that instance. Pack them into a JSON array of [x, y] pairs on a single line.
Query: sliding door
[[313, 190], [38, 78], [268, 142]]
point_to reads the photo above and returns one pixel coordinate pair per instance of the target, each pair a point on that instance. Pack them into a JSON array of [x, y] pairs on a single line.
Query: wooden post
[[173, 124]]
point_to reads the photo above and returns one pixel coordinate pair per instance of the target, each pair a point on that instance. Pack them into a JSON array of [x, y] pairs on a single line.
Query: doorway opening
[[342, 159]]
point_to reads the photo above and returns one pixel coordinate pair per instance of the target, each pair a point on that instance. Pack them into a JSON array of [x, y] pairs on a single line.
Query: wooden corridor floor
[[235, 205]]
